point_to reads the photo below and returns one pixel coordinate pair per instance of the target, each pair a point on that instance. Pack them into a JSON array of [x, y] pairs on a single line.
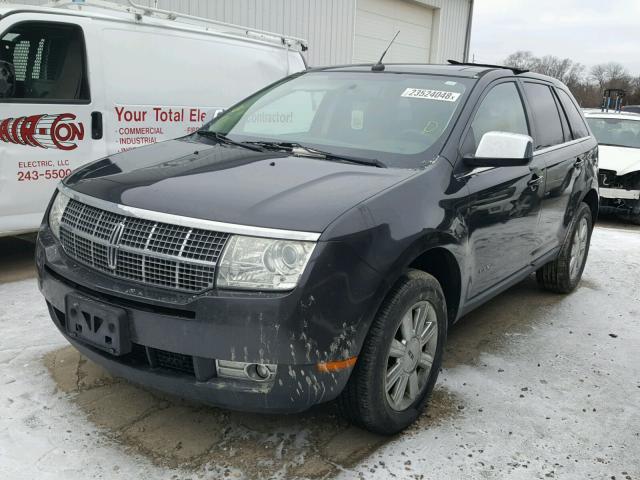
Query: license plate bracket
[[100, 325]]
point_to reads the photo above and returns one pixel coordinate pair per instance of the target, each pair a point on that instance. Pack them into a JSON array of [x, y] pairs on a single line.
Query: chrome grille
[[154, 253]]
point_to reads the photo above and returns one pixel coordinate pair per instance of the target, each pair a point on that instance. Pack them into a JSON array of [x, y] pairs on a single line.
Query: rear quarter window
[[546, 117], [576, 120]]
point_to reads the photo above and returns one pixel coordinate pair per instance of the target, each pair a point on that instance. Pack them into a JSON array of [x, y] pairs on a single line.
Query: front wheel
[[564, 273], [401, 357]]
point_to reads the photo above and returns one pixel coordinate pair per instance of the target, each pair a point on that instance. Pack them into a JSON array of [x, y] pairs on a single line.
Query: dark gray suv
[[317, 240]]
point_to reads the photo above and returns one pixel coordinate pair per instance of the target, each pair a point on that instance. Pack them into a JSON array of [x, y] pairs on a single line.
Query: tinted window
[[545, 115], [42, 61], [501, 110], [575, 117]]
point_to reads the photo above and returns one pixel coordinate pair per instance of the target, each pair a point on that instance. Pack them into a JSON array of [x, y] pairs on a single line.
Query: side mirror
[[502, 149], [7, 80]]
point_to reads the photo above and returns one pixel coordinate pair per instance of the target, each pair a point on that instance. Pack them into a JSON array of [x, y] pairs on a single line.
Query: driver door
[[505, 202], [46, 113]]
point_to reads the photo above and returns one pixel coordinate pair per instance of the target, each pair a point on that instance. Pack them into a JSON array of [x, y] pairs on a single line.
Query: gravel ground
[[534, 385]]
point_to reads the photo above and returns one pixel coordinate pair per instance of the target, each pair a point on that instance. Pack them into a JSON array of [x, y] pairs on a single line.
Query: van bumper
[[293, 332]]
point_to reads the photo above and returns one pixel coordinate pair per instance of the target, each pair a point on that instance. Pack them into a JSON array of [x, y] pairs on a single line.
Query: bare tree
[[586, 87], [611, 75], [599, 74], [521, 59], [563, 69]]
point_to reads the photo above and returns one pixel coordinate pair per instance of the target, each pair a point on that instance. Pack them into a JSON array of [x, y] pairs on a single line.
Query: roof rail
[[515, 70], [140, 11]]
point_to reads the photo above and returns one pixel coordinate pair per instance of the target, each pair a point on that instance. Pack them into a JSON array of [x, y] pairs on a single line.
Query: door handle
[[579, 162], [96, 125]]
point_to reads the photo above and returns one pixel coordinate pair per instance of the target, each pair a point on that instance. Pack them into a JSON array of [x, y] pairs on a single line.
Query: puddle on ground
[[497, 325], [173, 433]]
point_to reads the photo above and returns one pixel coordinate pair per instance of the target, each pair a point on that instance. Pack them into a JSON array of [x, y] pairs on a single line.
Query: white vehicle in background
[[618, 136], [83, 80]]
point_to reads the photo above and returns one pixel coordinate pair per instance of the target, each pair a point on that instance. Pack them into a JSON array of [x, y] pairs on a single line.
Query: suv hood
[[233, 185], [621, 160]]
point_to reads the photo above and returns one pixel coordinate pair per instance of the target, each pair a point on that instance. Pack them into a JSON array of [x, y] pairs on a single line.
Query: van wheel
[[564, 273], [400, 359]]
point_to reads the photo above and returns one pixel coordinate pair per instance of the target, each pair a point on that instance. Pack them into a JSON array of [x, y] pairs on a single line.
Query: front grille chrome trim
[[139, 250], [189, 222]]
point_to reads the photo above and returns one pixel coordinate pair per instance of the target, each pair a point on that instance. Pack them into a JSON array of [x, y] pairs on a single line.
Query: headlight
[[254, 263], [55, 214]]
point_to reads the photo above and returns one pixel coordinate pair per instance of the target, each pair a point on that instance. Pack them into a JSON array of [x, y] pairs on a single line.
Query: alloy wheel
[[578, 248], [411, 355]]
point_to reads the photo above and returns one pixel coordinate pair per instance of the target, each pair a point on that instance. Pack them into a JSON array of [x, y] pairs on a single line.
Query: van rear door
[[46, 110]]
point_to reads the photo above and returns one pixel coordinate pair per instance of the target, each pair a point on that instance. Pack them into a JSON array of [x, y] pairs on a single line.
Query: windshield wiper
[[220, 138], [302, 151]]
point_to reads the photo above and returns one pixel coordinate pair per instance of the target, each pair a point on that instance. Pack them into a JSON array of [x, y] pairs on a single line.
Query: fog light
[[262, 371], [258, 372]]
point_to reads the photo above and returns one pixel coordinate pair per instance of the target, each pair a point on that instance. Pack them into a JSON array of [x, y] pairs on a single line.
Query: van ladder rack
[[141, 11]]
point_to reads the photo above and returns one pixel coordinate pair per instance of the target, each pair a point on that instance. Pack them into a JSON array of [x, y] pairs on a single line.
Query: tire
[[559, 276], [365, 400], [634, 215]]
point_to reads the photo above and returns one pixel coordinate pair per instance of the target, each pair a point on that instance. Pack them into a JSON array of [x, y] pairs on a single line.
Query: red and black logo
[[44, 131]]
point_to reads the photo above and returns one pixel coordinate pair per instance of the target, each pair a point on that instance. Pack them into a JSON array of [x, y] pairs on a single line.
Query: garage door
[[377, 21]]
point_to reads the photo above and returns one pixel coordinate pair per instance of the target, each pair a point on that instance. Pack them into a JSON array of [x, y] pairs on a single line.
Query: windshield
[[393, 118], [616, 131]]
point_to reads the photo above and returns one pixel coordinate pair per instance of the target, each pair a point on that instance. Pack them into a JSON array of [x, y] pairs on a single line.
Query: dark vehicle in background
[[316, 241], [631, 109], [618, 136]]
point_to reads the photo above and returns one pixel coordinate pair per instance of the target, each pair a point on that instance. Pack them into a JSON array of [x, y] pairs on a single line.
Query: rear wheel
[[564, 273], [401, 357]]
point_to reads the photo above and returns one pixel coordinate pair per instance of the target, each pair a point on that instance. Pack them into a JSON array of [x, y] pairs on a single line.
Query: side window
[[501, 110], [546, 117], [576, 120], [42, 62]]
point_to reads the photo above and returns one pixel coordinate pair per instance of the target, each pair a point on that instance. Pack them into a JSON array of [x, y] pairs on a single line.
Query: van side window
[[42, 62], [545, 115], [501, 110], [576, 120]]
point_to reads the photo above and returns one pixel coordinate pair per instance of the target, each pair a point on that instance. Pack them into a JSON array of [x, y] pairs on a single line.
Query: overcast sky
[[587, 31]]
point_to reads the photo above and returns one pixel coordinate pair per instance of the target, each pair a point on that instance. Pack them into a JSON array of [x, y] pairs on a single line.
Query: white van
[[81, 80]]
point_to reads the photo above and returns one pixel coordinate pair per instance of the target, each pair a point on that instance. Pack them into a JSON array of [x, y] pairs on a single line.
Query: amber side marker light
[[336, 366]]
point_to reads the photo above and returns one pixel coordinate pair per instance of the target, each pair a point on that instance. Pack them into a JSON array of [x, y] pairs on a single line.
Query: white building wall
[[328, 25], [451, 17]]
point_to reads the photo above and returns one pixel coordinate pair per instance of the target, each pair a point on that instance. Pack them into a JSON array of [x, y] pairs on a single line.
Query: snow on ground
[[535, 385]]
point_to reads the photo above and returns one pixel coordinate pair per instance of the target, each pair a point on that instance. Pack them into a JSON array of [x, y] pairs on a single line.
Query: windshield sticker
[[357, 119], [431, 127], [440, 95]]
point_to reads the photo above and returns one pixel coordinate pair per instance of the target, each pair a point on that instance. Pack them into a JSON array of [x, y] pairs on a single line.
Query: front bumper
[[323, 321], [619, 193]]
